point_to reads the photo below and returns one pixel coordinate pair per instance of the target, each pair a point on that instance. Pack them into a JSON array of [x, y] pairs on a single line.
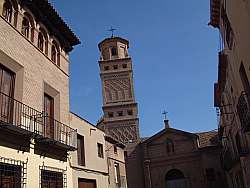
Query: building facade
[[174, 158], [35, 134], [231, 96], [116, 163], [89, 162], [119, 105]]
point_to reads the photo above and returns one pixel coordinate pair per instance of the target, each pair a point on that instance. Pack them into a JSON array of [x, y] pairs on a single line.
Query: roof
[[46, 13], [113, 39], [209, 138], [147, 140]]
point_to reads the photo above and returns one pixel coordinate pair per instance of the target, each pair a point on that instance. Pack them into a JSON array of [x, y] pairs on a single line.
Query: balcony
[[228, 161], [25, 122], [243, 111], [56, 133]]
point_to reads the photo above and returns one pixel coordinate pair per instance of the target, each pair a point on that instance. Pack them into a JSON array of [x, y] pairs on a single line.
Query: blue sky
[[174, 55]]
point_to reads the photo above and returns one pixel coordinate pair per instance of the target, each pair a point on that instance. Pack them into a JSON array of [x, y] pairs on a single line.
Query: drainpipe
[[147, 164]]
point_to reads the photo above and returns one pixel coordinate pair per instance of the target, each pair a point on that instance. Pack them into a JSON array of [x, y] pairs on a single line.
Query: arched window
[[55, 53], [7, 11], [113, 51], [26, 27], [40, 43], [169, 146]]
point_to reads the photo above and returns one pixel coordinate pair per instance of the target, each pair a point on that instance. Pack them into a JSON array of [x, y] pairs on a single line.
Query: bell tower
[[119, 105]]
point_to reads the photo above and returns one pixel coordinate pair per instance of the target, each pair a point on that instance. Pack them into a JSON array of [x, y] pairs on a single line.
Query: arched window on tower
[[113, 51], [55, 53], [169, 146], [7, 11]]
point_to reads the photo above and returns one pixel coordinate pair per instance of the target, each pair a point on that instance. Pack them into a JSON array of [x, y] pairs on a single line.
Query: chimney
[[166, 122]]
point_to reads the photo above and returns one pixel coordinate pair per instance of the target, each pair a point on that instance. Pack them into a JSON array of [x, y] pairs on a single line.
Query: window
[[228, 33], [238, 143], [26, 27], [51, 179], [80, 150], [110, 114], [10, 175], [120, 113], [169, 146], [100, 150], [115, 67], [7, 11], [117, 174], [40, 41], [115, 149], [210, 174], [130, 112], [106, 68], [113, 51], [124, 66], [125, 154], [55, 53]]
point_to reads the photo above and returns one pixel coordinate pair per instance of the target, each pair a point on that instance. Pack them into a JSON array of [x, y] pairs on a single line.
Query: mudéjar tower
[[120, 118]]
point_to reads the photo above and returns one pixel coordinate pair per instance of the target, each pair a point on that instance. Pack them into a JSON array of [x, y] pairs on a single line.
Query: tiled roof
[[209, 138]]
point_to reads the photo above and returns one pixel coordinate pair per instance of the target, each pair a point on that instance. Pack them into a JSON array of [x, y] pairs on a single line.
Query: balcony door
[[49, 116], [7, 79]]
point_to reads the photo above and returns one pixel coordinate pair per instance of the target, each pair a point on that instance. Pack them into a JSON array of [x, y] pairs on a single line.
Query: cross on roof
[[164, 113], [112, 31]]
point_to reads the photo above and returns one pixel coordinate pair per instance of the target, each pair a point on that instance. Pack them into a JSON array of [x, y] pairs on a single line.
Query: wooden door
[[49, 116], [87, 184], [6, 95]]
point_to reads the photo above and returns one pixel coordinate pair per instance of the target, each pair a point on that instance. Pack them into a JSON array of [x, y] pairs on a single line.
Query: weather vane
[[164, 113], [112, 31]]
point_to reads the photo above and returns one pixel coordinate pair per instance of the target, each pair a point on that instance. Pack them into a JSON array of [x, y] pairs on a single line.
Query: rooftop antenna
[[112, 31]]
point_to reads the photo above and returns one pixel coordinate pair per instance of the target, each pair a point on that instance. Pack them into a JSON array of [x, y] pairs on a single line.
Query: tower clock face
[[117, 90]]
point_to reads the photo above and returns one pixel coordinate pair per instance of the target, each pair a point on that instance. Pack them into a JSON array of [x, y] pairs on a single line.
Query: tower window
[[120, 113], [106, 68], [130, 112], [115, 67], [26, 27], [124, 66], [7, 11], [210, 174], [113, 51], [111, 114]]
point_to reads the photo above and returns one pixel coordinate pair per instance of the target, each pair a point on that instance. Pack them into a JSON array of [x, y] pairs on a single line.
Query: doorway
[[175, 179]]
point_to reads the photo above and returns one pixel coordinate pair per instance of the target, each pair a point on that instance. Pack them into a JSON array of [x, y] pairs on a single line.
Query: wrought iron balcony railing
[[18, 117], [243, 109], [57, 131]]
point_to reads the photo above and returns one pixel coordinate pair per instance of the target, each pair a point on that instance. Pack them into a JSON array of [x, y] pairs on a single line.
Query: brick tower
[[119, 106]]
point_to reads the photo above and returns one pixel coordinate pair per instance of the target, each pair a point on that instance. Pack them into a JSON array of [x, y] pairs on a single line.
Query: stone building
[[176, 159], [35, 136], [232, 95]]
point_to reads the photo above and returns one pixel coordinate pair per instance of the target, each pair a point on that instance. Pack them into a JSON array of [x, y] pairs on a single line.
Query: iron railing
[[243, 109], [58, 131], [17, 114]]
